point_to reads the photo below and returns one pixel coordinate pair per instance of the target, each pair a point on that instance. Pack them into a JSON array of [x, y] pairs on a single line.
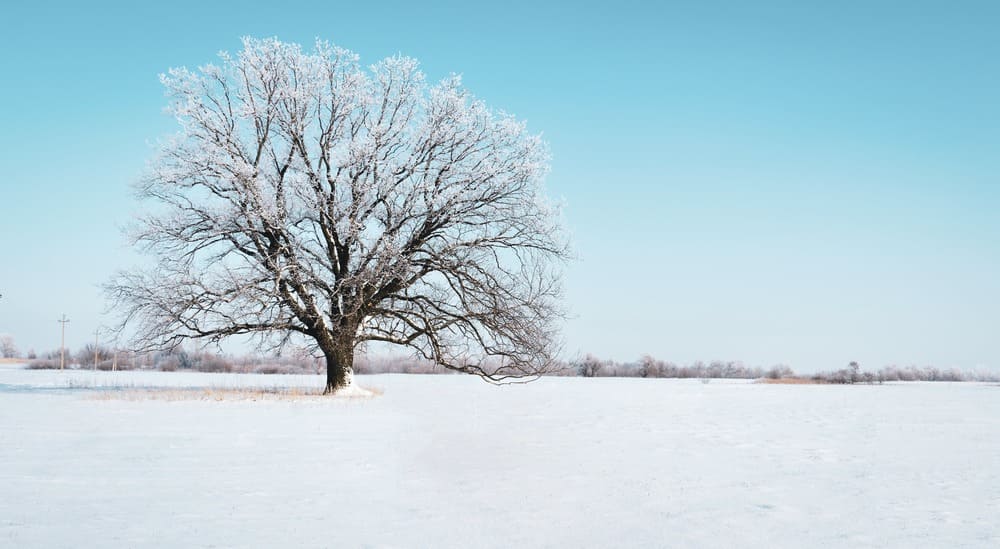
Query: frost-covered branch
[[307, 195]]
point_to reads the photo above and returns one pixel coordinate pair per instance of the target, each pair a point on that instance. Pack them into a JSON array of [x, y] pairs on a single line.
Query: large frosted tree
[[306, 197]]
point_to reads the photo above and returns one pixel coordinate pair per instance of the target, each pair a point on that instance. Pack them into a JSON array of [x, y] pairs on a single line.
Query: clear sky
[[794, 182]]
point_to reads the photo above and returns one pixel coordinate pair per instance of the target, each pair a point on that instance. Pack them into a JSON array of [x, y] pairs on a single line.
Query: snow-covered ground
[[449, 461]]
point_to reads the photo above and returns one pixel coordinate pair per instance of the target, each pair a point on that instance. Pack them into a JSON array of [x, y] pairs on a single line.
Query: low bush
[[44, 364]]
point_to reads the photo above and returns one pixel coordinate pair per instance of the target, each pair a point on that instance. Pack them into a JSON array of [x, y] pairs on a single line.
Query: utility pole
[[62, 346], [97, 336]]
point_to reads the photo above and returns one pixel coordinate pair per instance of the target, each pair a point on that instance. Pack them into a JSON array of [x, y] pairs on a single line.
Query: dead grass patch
[[232, 394], [791, 381]]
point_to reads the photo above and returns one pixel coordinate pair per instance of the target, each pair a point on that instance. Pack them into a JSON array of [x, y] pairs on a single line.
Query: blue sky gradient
[[806, 183]]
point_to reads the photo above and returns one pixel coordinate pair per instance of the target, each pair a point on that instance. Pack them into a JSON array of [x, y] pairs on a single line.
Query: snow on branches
[[306, 196]]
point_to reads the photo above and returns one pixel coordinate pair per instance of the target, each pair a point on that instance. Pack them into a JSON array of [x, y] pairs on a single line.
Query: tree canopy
[[308, 198]]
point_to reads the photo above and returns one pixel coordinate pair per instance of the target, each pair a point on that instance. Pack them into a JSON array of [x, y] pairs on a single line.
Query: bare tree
[[7, 347], [589, 366], [306, 197], [650, 367]]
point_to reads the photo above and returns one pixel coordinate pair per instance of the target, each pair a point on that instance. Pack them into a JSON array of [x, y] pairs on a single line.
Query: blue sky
[[806, 183]]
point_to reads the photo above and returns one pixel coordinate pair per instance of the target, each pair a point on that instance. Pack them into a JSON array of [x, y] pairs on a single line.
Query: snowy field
[[449, 461]]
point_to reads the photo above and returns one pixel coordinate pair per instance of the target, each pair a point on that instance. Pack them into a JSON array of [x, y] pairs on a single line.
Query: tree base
[[349, 391], [338, 383]]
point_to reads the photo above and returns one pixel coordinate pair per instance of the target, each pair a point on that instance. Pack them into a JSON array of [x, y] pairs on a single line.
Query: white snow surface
[[450, 461]]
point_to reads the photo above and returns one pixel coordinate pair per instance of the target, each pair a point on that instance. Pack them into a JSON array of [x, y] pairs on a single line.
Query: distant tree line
[[853, 374], [181, 359], [647, 366]]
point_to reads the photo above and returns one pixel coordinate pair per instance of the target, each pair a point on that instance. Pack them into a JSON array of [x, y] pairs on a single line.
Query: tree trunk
[[339, 368]]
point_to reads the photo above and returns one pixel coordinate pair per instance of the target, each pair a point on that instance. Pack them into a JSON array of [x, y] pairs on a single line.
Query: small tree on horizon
[[307, 198], [589, 366], [8, 349], [854, 371]]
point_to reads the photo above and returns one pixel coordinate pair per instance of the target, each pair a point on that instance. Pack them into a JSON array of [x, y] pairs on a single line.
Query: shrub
[[590, 366], [780, 372], [44, 364], [168, 364]]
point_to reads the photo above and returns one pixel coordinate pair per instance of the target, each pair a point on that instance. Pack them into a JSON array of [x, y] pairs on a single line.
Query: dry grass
[[13, 360], [231, 394], [791, 381]]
